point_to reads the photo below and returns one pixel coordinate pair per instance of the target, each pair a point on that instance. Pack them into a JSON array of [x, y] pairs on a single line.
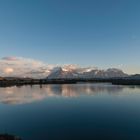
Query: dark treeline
[[5, 82]]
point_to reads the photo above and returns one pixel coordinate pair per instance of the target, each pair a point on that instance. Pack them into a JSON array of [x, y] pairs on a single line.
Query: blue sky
[[102, 33]]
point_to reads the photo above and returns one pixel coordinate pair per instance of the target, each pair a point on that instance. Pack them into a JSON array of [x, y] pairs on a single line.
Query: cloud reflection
[[28, 94]]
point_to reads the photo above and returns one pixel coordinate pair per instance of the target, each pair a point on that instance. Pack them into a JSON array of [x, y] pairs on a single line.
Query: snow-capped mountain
[[59, 72], [109, 73], [77, 72]]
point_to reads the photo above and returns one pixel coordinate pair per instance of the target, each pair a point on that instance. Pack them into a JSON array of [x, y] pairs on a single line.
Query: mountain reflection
[[28, 94]]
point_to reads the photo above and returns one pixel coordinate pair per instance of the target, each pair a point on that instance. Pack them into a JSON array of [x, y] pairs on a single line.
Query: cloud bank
[[22, 67]]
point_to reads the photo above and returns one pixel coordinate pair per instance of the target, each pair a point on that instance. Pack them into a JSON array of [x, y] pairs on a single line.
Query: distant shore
[[6, 82]]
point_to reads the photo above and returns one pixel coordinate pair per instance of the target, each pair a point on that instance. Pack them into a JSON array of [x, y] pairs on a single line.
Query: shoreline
[[22, 82]]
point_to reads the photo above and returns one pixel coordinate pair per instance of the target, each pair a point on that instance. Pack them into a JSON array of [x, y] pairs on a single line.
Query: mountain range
[[72, 72]]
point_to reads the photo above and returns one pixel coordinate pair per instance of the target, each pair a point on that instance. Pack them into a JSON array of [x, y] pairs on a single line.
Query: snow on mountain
[[68, 73], [62, 72]]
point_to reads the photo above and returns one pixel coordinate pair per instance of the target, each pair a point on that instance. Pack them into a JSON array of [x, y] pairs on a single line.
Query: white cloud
[[22, 67]]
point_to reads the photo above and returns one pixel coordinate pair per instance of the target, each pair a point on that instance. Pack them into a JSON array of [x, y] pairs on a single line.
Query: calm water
[[71, 112]]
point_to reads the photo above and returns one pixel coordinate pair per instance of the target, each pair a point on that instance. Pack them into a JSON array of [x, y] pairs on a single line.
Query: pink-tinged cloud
[[8, 70], [23, 67], [10, 58]]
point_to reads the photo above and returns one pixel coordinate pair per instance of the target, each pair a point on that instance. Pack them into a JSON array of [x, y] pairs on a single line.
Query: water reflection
[[27, 94]]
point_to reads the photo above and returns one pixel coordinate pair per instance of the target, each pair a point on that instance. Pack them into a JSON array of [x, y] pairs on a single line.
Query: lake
[[71, 112]]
